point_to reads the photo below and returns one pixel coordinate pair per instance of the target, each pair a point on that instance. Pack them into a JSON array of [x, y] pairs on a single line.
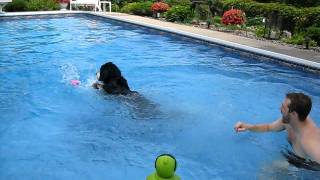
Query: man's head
[[296, 104]]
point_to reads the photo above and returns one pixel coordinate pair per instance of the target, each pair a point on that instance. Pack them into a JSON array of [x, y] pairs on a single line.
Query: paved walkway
[[265, 45]]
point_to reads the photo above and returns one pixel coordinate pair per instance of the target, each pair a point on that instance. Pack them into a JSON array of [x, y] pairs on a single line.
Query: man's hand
[[274, 126], [241, 127]]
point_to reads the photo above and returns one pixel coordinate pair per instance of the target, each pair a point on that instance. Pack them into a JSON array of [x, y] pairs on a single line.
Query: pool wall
[[271, 56]]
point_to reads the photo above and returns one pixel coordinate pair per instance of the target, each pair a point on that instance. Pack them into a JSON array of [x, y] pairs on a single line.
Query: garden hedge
[[300, 17]]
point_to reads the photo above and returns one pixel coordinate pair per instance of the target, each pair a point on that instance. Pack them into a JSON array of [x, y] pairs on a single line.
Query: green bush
[[256, 21], [299, 18], [122, 3], [253, 8], [202, 12], [260, 31], [297, 39], [217, 19], [138, 8], [298, 3], [314, 33], [42, 5], [115, 8], [178, 2], [264, 1], [15, 6], [304, 3], [307, 17], [235, 27], [179, 14]]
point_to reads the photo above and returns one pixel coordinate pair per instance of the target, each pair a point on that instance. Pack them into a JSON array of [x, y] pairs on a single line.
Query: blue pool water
[[193, 94]]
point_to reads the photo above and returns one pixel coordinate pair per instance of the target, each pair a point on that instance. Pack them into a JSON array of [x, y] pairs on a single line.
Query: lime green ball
[[165, 166]]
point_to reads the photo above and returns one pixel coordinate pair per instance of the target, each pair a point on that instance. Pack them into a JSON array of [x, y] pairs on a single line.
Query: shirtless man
[[303, 133]]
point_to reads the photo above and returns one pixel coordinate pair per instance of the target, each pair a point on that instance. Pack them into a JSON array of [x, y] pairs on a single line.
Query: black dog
[[111, 80]]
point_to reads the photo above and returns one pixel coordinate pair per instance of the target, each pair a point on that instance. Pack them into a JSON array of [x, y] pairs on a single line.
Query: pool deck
[[265, 45], [306, 58]]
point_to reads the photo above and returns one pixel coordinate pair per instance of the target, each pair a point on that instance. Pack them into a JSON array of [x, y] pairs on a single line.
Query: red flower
[[159, 7], [233, 16]]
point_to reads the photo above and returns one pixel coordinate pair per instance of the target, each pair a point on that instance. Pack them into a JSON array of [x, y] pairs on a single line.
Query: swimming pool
[[194, 93]]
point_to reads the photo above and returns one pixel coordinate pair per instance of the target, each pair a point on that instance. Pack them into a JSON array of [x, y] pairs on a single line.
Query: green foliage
[[297, 3], [178, 2], [314, 33], [253, 8], [202, 12], [307, 17], [122, 3], [297, 39], [260, 31], [215, 7], [299, 18], [42, 5], [179, 14], [138, 8], [265, 1], [217, 19], [16, 5], [115, 8], [304, 3], [255, 21], [127, 1], [235, 27]]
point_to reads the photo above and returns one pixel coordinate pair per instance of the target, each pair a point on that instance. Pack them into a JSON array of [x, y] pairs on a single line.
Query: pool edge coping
[[225, 43]]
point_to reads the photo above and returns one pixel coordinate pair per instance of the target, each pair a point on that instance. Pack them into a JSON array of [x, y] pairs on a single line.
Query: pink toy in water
[[75, 82]]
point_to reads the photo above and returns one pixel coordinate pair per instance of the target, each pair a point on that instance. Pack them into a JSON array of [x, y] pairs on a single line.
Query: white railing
[[4, 3]]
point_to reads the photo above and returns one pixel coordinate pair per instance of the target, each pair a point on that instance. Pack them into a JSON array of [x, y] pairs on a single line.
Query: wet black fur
[[113, 81]]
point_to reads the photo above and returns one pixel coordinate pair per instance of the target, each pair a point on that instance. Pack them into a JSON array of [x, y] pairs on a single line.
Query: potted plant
[[159, 7], [63, 4]]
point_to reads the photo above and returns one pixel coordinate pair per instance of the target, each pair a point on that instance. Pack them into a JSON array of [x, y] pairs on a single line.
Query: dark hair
[[113, 81], [300, 103], [108, 72]]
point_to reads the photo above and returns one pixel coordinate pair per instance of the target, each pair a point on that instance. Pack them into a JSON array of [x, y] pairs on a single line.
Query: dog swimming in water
[[111, 81]]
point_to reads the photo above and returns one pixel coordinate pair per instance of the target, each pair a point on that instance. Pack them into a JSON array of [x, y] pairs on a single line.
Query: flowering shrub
[[159, 7], [233, 17]]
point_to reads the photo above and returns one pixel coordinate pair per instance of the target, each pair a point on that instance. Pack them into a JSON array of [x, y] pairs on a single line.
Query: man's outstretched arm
[[274, 126]]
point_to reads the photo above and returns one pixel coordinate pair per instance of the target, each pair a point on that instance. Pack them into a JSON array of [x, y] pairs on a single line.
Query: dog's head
[[109, 72], [113, 82]]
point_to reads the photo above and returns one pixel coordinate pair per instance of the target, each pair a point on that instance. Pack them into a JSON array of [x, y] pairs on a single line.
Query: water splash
[[69, 72]]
